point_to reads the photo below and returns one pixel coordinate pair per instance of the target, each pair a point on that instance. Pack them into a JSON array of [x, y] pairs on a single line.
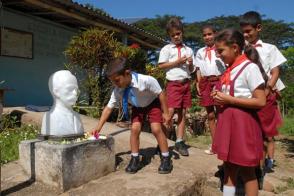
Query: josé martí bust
[[61, 120]]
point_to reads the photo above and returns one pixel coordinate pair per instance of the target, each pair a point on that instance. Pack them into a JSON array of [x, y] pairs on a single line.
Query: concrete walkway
[[190, 176]]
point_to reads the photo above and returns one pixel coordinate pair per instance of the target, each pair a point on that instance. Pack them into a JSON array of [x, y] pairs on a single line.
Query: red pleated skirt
[[238, 137], [270, 117]]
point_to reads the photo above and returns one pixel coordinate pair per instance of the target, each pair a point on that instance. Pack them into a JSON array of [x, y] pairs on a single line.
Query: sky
[[194, 10]]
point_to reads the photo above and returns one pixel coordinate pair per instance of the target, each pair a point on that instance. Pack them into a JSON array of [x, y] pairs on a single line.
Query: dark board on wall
[[16, 43]]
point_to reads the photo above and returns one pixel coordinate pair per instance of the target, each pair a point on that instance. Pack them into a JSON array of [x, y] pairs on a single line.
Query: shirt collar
[[174, 45], [259, 42]]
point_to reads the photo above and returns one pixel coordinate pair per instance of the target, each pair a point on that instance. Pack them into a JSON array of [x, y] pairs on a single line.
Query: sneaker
[[182, 148], [269, 163], [166, 165], [134, 165], [209, 151], [268, 166]]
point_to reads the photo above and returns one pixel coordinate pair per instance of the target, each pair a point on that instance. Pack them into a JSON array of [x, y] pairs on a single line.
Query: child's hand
[[181, 61], [94, 132], [198, 89], [189, 60], [167, 119], [221, 98]]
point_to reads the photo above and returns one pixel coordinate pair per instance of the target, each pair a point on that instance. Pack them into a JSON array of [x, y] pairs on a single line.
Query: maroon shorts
[[206, 86], [270, 117], [178, 94], [153, 112]]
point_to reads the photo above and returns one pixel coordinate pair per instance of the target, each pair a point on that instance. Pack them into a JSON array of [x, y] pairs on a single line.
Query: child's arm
[[107, 111], [163, 103], [257, 101], [105, 115], [197, 80], [276, 60], [176, 63], [275, 72]]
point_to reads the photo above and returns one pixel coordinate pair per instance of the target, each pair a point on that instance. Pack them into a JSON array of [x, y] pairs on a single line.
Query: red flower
[[134, 46]]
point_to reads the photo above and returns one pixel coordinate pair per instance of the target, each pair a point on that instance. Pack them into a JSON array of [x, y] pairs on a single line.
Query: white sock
[[229, 190], [179, 140], [135, 154], [165, 154]]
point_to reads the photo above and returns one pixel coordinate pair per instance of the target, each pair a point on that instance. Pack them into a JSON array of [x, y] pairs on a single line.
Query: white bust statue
[[61, 119]]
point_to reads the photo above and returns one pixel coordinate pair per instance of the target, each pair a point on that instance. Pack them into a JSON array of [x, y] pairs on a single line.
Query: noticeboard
[[15, 43]]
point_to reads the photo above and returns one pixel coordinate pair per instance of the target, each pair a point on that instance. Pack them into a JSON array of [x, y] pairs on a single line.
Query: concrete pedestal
[[67, 165]]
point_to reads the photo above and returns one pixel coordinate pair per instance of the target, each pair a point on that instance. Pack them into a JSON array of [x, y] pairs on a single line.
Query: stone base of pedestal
[[67, 165]]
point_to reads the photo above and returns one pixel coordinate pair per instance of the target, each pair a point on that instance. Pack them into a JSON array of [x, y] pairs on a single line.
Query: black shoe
[[134, 165], [166, 165], [182, 148]]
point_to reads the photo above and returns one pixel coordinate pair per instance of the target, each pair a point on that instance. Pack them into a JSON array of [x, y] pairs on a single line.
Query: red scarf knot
[[226, 77]]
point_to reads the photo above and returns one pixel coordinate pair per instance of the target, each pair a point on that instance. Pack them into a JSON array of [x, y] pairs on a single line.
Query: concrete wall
[[29, 77]]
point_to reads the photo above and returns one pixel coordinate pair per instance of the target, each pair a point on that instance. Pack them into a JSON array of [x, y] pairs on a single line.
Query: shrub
[[88, 55]]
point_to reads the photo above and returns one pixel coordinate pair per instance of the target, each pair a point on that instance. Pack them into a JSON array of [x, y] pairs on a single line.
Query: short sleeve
[[153, 85], [276, 57], [163, 55], [254, 77], [198, 59], [114, 99]]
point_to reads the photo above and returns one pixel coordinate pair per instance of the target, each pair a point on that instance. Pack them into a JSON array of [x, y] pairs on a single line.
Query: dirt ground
[[280, 181]]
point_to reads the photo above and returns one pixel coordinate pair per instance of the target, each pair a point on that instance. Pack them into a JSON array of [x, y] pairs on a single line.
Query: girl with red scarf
[[238, 136]]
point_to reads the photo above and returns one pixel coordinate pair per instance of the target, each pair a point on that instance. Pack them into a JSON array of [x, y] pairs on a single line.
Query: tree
[[276, 32]]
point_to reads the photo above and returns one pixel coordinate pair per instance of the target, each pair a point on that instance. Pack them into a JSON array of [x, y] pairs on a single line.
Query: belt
[[183, 81], [211, 78]]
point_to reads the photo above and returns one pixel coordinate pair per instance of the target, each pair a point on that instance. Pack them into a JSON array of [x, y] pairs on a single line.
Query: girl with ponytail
[[238, 137]]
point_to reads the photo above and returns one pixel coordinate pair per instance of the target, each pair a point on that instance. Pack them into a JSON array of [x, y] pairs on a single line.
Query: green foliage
[[11, 135], [88, 54], [289, 54], [288, 126], [278, 33], [8, 121], [157, 73], [275, 32], [156, 25], [136, 57]]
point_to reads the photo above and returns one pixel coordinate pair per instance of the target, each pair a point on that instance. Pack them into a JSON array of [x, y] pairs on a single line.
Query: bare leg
[[211, 120], [181, 123], [270, 147], [160, 136], [134, 138], [249, 177]]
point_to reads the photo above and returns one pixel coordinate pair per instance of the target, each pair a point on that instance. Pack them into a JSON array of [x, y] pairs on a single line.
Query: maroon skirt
[[270, 117], [238, 137]]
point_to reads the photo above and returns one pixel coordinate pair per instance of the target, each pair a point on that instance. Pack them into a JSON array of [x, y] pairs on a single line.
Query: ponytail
[[252, 55]]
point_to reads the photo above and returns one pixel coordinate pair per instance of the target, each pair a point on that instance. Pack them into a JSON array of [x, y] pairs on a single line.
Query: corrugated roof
[[83, 16]]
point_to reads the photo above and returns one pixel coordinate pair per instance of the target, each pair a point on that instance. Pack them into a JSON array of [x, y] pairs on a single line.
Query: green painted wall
[[29, 77]]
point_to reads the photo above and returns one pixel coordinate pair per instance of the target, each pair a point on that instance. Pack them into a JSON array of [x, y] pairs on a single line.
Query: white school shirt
[[249, 79], [270, 57], [145, 89], [209, 68], [169, 53]]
